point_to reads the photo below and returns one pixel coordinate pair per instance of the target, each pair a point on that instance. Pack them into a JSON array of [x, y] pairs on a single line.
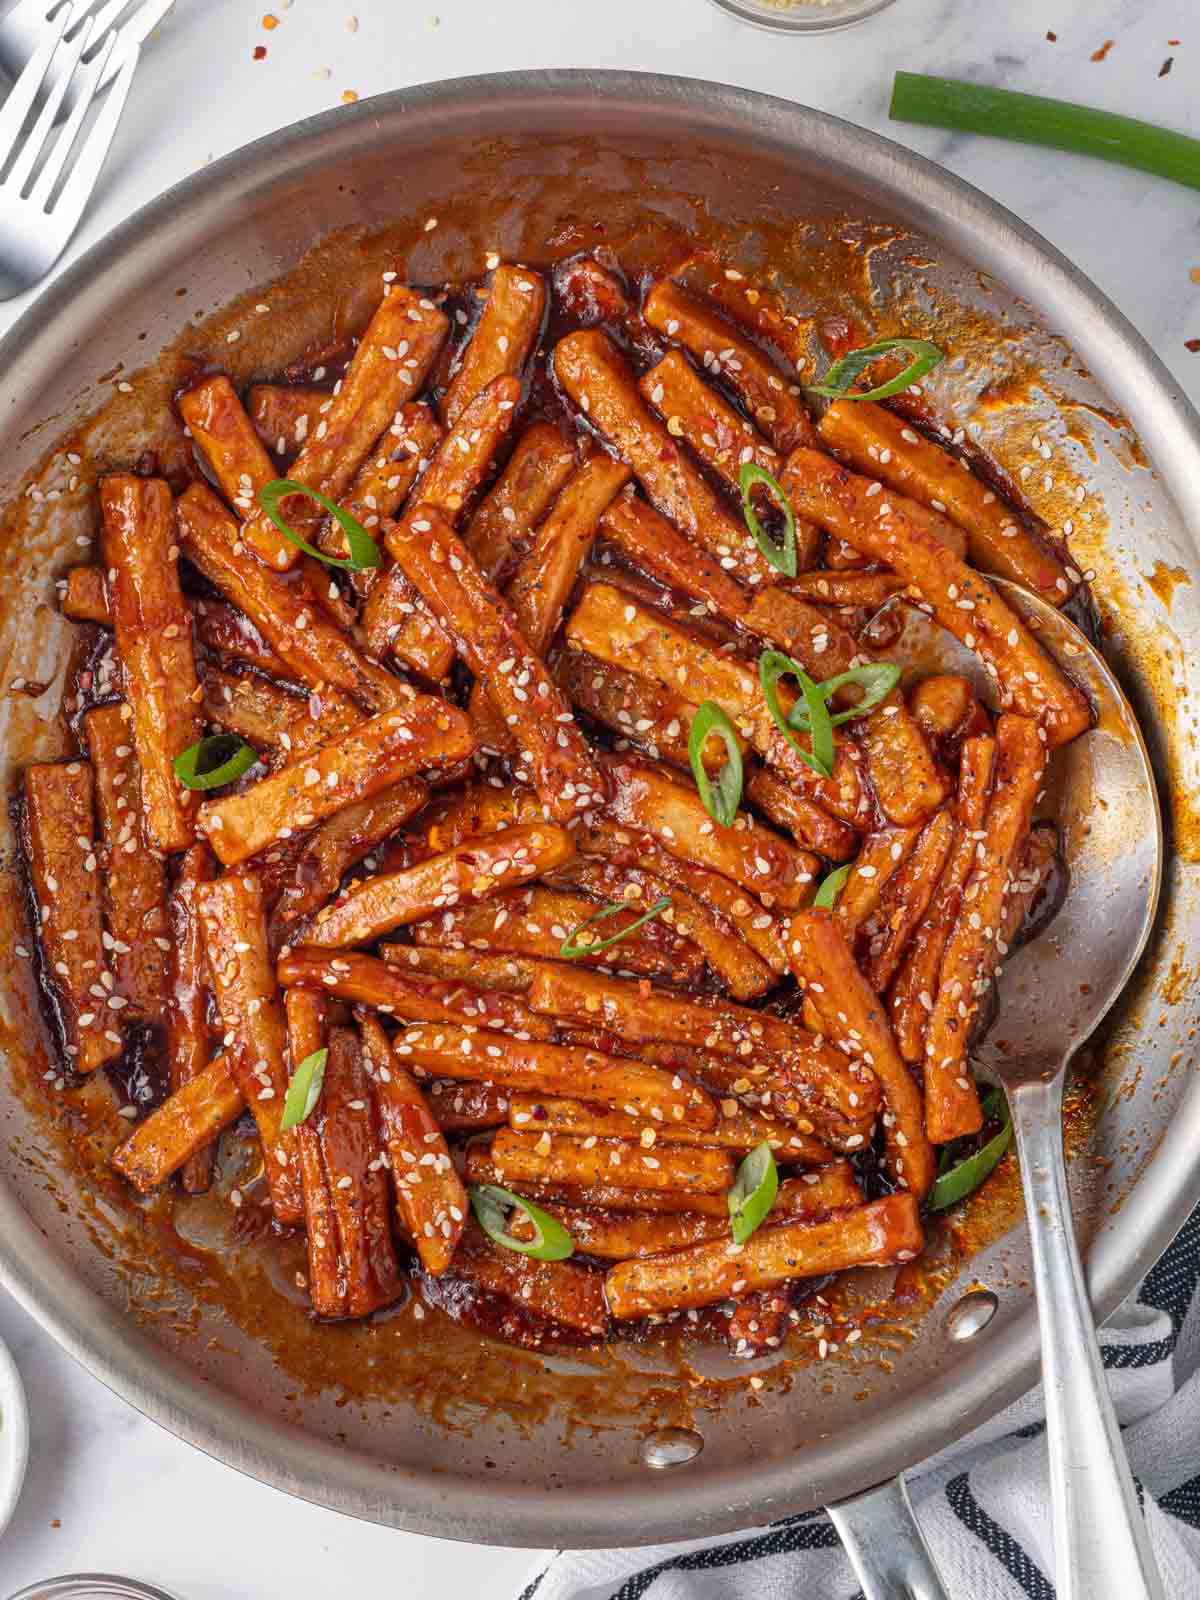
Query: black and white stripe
[[982, 1505]]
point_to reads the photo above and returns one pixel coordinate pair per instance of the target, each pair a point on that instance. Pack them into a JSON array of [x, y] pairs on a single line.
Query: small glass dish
[[92, 1586], [802, 16]]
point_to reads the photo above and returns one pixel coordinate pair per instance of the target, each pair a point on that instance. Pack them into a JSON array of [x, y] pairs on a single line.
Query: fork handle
[[1101, 1548]]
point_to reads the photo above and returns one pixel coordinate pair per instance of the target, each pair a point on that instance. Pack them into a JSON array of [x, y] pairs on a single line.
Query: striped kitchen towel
[[983, 1504]]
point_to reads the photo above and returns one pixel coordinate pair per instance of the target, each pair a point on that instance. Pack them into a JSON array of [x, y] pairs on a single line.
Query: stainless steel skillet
[[739, 156]]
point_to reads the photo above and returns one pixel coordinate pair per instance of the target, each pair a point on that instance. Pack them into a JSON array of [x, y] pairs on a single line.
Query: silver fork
[[23, 27], [40, 208]]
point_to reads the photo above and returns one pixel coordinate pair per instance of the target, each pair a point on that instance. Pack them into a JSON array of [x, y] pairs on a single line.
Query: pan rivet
[[671, 1447], [972, 1314]]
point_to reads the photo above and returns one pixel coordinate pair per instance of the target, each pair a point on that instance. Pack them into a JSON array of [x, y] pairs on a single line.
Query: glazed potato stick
[[283, 414], [1039, 862], [272, 719], [307, 1028], [648, 798], [454, 1052], [971, 955], [533, 1158], [536, 922], [868, 590], [65, 886], [82, 596], [488, 638], [223, 629], [883, 445], [878, 1234], [651, 717], [501, 527], [189, 1037], [345, 1123], [388, 368], [283, 609], [726, 353], [597, 378], [339, 844], [235, 943], [855, 1021], [912, 994], [226, 438], [908, 785], [364, 981], [428, 732], [430, 1198], [475, 871], [906, 898], [480, 1168], [612, 626], [503, 337], [181, 1128], [545, 576], [154, 641], [397, 617], [742, 912], [821, 645], [731, 960], [505, 974], [466, 1107], [810, 826], [380, 486], [135, 884], [722, 438], [899, 534], [748, 1037], [883, 853], [735, 1129], [625, 1236], [944, 704], [591, 293], [563, 1291]]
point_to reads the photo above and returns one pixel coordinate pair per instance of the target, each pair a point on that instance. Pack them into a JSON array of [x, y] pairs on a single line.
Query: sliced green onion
[[838, 382], [960, 1178], [722, 798], [571, 951], [1058, 124], [781, 556], [773, 665], [364, 552], [877, 679], [753, 1193], [217, 760], [829, 888], [304, 1090], [490, 1203]]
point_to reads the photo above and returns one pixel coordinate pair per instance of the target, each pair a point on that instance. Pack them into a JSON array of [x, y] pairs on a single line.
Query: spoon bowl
[[1052, 994]]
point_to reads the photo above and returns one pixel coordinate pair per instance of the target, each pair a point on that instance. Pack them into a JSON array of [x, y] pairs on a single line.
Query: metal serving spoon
[[1113, 844], [1105, 800]]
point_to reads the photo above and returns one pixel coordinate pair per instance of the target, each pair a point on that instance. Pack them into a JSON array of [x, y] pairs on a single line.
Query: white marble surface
[[108, 1490]]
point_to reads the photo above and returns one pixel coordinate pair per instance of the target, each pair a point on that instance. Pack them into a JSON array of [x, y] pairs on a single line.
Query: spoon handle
[[1101, 1548]]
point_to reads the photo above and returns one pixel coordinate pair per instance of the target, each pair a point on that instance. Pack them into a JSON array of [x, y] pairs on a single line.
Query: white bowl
[[14, 1435]]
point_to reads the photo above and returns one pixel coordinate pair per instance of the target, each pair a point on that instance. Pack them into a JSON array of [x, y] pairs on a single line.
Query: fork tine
[[76, 191], [25, 91], [85, 82], [66, 63]]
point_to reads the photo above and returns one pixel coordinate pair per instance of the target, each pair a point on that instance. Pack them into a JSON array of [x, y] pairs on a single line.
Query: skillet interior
[[545, 157]]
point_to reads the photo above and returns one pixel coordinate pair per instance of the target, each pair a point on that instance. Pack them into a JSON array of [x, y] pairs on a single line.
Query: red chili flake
[[1053, 37], [1166, 66], [1192, 344], [260, 52], [1099, 55], [1174, 41]]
